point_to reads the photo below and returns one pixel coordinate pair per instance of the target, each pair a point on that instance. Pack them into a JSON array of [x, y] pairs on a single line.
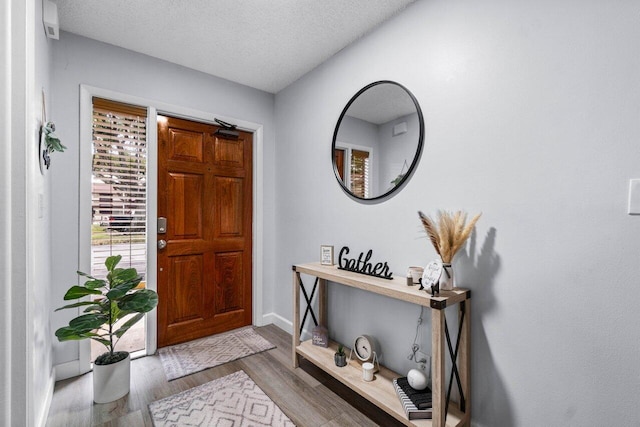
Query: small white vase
[[446, 278], [111, 382]]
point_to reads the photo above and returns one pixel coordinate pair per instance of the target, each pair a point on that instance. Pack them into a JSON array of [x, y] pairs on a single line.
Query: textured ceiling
[[265, 44], [382, 103]]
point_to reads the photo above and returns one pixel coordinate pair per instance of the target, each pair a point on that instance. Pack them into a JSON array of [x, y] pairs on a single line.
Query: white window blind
[[367, 177], [118, 187]]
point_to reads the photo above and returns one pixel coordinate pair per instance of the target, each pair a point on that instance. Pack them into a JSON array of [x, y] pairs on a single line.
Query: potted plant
[[115, 297], [340, 357], [49, 142], [51, 139]]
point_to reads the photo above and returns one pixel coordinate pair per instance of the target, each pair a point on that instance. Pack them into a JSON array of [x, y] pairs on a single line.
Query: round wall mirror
[[377, 141]]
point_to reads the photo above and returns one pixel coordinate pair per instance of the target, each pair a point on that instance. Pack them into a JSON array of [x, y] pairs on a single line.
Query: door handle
[[162, 244]]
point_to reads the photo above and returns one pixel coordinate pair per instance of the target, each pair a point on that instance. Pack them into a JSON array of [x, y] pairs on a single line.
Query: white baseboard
[[41, 421], [279, 321], [67, 370], [284, 324]]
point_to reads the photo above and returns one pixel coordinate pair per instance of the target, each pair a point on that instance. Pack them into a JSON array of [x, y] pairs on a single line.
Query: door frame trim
[[153, 109]]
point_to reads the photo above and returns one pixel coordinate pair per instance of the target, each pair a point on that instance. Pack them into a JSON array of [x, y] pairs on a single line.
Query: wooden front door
[[205, 194]]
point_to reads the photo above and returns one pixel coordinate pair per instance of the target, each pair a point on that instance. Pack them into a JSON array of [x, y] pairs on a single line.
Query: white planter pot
[[111, 382]]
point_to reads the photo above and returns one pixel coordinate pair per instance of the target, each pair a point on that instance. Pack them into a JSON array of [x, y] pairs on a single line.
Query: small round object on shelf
[[417, 379]]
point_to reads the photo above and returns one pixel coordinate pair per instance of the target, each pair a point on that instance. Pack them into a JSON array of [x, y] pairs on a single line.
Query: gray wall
[[78, 60], [531, 112]]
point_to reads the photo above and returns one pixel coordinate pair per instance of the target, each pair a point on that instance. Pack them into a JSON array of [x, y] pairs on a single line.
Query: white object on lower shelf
[[367, 371], [417, 379]]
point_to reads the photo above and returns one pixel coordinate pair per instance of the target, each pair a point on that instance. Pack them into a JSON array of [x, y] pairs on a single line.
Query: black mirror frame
[[416, 158]]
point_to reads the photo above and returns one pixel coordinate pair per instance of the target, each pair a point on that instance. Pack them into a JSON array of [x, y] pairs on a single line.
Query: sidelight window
[[118, 192], [357, 174], [360, 168]]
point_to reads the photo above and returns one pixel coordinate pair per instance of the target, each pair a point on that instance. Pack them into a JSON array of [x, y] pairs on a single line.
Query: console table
[[381, 391]]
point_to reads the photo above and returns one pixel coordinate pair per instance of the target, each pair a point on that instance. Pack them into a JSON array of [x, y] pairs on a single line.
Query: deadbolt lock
[[162, 225]]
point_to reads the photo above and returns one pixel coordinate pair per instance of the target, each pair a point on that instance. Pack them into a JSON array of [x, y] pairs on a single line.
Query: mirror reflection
[[377, 141]]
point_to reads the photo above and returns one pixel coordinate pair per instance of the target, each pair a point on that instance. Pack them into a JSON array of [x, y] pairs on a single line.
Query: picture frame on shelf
[[320, 336], [326, 255]]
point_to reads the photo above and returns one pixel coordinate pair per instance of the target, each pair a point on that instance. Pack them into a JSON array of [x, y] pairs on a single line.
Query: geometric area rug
[[197, 355], [234, 400]]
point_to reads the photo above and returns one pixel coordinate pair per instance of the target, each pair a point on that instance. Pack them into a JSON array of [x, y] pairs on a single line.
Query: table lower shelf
[[380, 391]]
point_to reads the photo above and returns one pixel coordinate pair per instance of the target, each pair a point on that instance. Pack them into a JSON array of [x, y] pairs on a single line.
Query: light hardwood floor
[[308, 396]]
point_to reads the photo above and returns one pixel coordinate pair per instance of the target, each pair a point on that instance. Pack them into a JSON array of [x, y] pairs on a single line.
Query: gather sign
[[363, 266]]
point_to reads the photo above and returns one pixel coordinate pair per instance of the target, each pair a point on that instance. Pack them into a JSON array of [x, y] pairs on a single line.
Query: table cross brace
[[454, 361], [308, 299]]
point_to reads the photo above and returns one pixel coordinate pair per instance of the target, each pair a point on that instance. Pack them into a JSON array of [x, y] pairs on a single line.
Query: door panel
[[204, 272], [185, 145], [229, 293], [229, 223], [186, 274], [229, 153], [186, 205]]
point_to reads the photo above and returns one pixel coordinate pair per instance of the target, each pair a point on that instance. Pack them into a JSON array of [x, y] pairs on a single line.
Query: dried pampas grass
[[449, 232]]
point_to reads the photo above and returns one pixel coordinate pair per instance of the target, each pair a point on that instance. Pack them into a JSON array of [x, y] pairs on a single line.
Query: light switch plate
[[634, 197]]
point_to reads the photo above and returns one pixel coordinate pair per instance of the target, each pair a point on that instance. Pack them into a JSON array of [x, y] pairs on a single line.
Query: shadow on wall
[[490, 404]]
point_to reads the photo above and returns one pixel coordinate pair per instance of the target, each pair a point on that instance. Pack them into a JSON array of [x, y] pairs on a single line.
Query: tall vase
[[446, 278]]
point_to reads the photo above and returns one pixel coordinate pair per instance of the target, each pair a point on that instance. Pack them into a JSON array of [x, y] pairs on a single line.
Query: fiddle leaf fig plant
[[114, 298]]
